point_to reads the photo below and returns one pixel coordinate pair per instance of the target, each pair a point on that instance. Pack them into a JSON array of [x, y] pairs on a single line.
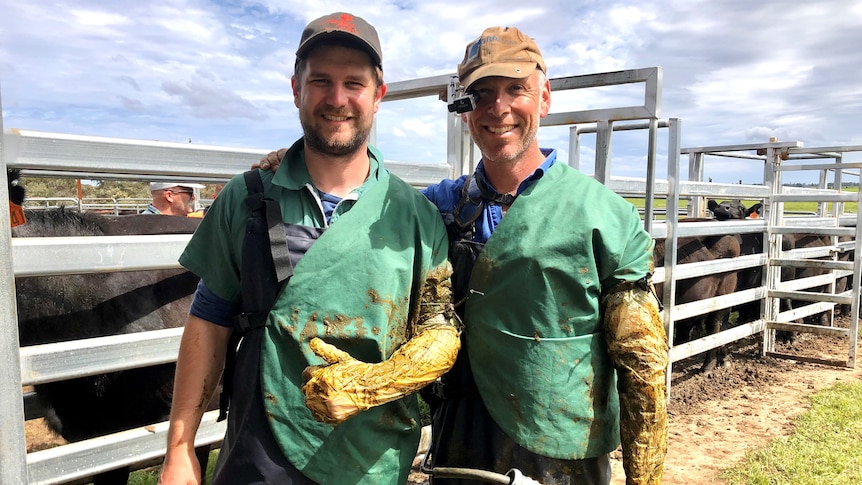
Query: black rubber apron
[[249, 452]]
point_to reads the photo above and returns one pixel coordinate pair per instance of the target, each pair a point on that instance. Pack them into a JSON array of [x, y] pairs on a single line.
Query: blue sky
[[218, 72]]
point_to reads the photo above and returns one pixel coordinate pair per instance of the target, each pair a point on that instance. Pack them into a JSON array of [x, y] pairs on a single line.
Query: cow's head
[[16, 197], [16, 190], [732, 209]]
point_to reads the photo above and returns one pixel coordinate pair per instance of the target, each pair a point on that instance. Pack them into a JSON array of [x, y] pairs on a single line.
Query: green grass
[[825, 447], [150, 476], [789, 207]]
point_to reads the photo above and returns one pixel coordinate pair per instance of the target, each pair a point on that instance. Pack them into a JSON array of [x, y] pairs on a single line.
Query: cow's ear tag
[[16, 215]]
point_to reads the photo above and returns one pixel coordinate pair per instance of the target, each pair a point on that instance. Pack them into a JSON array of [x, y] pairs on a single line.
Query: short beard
[[319, 144], [512, 159]]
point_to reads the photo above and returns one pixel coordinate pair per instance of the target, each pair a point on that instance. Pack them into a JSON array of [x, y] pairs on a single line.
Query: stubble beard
[[505, 156], [316, 141], [510, 155]]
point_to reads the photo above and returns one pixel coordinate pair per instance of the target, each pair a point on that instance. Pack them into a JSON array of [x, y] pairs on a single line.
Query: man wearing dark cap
[[563, 351], [324, 378]]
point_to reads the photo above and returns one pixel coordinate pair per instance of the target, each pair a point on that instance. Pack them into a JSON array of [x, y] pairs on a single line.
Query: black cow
[[752, 243], [732, 209], [749, 243], [799, 241], [708, 248], [68, 307], [693, 250], [16, 190]]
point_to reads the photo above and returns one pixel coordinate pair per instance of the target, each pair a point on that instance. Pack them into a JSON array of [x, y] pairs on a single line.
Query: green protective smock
[[356, 287], [534, 334]]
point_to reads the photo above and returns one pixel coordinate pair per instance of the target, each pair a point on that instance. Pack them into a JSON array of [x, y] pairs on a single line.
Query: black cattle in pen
[[801, 241], [752, 243], [749, 243], [708, 248], [71, 307], [693, 250]]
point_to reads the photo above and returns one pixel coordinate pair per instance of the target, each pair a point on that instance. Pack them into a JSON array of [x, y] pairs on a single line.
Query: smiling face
[[337, 93], [506, 119]]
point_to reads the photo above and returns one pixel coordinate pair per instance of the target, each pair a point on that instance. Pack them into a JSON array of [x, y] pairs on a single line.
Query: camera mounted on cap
[[459, 101]]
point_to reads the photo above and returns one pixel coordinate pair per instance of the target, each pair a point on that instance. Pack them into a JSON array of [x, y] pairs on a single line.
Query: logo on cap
[[345, 26], [343, 23], [500, 51]]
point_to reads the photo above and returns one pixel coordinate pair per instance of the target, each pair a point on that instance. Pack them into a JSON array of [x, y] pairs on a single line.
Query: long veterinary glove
[[347, 386], [637, 344]]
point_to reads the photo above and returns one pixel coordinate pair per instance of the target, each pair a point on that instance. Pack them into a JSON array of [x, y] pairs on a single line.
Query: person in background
[[324, 384], [172, 198]]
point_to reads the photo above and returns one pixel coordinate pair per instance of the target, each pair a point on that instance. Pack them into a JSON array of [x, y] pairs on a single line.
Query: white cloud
[[95, 18]]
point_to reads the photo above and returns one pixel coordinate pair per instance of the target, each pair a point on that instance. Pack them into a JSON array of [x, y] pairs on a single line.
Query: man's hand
[[327, 387], [271, 161], [181, 467]]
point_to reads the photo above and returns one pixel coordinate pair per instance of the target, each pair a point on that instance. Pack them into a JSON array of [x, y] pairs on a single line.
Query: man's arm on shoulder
[[199, 367], [638, 348]]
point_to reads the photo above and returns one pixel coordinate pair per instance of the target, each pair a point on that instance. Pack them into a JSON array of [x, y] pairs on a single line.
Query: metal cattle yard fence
[[91, 157], [101, 205], [840, 230]]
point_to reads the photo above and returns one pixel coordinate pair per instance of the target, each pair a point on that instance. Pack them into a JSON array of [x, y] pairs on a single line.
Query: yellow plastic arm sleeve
[[346, 386], [637, 344]]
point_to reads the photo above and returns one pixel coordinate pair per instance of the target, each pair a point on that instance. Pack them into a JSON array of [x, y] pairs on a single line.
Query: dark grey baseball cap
[[341, 25]]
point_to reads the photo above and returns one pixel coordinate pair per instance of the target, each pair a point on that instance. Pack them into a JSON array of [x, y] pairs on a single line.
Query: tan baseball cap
[[500, 51], [345, 26]]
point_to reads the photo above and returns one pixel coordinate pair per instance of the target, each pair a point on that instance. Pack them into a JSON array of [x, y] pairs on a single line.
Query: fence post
[[13, 458], [674, 128]]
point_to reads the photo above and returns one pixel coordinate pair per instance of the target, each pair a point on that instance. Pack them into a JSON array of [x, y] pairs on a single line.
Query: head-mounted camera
[[459, 101]]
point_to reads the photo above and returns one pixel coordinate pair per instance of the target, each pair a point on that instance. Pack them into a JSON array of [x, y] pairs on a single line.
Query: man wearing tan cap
[[359, 314], [172, 198], [563, 352]]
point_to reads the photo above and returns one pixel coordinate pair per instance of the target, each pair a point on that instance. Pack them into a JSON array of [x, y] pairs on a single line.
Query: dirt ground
[[716, 417]]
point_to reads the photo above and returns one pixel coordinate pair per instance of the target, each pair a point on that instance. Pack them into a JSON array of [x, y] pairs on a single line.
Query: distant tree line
[[111, 189], [828, 185]]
